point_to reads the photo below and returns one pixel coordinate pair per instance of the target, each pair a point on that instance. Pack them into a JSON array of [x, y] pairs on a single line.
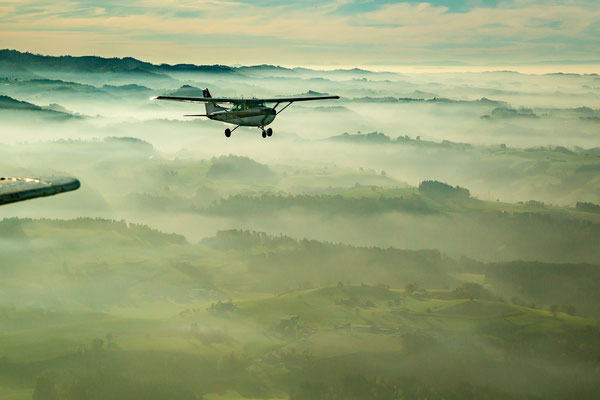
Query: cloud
[[299, 33]]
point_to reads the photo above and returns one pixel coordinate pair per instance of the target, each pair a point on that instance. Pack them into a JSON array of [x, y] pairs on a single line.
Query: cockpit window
[[253, 104], [247, 105]]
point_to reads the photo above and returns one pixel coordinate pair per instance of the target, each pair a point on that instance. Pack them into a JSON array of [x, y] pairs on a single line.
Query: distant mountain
[[53, 85], [58, 91], [131, 143], [206, 69], [187, 91], [9, 104], [443, 100], [353, 71], [132, 88], [9, 70], [46, 91], [129, 65], [238, 167], [508, 113], [309, 93], [267, 69], [88, 69], [439, 100], [382, 138], [70, 63], [419, 94], [16, 64], [373, 137], [368, 99], [57, 107], [346, 73]]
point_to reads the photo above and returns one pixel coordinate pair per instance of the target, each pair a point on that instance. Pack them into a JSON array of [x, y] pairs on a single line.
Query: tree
[[472, 290], [568, 309], [45, 387], [516, 301], [97, 345], [109, 341], [410, 288], [441, 190]]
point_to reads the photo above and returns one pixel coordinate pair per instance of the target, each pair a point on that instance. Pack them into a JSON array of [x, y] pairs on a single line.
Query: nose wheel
[[228, 131]]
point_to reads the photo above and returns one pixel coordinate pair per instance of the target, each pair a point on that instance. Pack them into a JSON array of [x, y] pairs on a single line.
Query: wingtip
[[65, 183]]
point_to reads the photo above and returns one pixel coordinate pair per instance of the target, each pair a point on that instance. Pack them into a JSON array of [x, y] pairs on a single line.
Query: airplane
[[243, 112], [14, 189]]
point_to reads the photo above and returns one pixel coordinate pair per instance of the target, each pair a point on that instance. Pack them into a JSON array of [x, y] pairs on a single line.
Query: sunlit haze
[[299, 200]]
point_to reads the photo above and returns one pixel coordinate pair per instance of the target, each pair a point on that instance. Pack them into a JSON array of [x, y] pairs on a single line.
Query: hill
[[32, 64], [240, 168], [254, 314], [8, 104]]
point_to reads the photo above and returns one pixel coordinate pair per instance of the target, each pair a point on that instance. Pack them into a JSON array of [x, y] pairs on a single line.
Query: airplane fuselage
[[255, 116]]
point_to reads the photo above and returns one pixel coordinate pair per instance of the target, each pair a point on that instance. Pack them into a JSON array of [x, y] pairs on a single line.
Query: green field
[[257, 346]]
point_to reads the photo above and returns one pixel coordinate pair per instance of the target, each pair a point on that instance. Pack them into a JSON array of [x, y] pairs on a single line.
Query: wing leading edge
[[19, 189], [233, 100]]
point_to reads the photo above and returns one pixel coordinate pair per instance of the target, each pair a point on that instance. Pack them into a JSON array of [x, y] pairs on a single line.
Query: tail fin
[[210, 107]]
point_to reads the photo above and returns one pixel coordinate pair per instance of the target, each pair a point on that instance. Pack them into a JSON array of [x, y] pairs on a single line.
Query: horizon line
[[583, 67]]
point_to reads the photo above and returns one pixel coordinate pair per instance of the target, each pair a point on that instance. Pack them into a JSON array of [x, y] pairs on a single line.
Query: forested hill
[[97, 64]]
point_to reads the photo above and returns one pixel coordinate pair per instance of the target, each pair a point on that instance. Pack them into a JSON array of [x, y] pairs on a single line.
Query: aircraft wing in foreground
[[18, 189], [243, 112]]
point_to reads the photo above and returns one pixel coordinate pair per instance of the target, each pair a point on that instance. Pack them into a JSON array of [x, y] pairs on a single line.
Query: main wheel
[[264, 134], [269, 132], [227, 132]]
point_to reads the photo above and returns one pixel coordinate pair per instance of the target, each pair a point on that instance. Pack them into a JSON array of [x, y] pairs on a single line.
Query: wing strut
[[286, 106]]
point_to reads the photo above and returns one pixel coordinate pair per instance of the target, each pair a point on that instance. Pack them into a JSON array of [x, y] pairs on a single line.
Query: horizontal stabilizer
[[196, 115]]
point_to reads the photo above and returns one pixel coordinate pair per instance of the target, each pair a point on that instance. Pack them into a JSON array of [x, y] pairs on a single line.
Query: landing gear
[[228, 131], [265, 133]]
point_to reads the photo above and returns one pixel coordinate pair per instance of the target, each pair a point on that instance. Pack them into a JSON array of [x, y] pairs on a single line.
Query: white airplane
[[244, 112]]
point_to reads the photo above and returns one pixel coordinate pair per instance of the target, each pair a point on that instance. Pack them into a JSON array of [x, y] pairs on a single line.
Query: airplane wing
[[294, 99], [200, 99], [234, 100], [19, 189]]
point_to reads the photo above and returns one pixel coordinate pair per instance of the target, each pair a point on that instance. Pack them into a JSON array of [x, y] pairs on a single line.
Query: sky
[[375, 33]]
